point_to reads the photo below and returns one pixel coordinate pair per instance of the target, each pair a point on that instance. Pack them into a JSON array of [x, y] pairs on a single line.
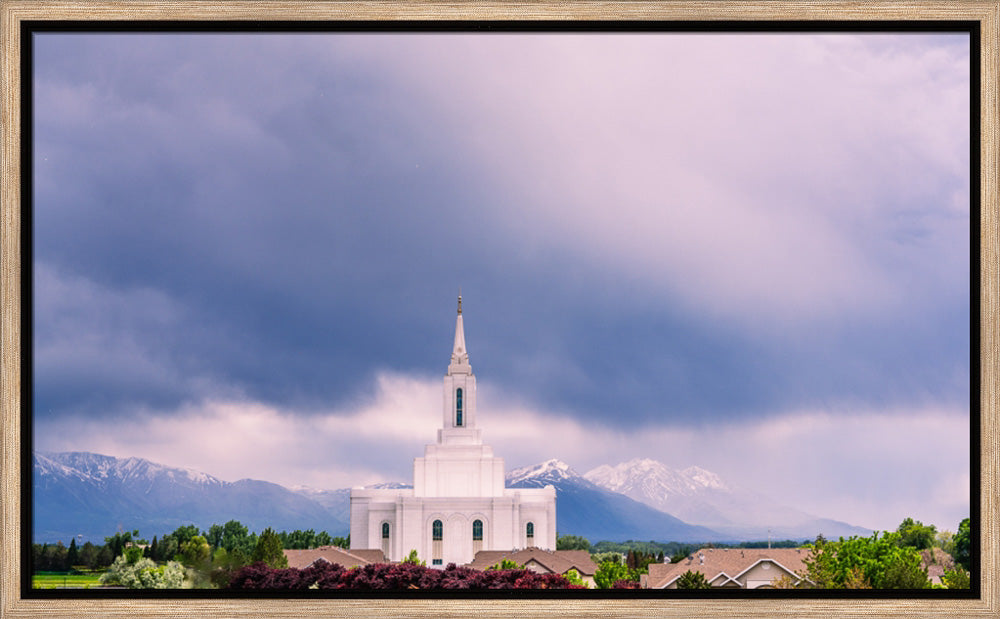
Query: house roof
[[333, 554], [729, 563], [937, 562], [556, 561]]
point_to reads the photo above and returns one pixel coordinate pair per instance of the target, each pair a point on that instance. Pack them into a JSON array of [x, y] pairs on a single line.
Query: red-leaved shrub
[[391, 576]]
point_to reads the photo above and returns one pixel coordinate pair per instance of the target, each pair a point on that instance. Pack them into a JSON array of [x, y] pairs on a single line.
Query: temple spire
[[459, 356]]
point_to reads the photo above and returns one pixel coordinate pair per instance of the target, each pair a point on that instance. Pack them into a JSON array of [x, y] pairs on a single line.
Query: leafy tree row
[[876, 562], [229, 546], [59, 558]]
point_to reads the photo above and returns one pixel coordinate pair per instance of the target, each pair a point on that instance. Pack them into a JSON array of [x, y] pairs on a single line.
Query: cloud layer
[[872, 468], [674, 233]]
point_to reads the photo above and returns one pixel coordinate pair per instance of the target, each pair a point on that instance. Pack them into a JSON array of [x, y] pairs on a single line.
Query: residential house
[[936, 562], [743, 568], [333, 554], [541, 561]]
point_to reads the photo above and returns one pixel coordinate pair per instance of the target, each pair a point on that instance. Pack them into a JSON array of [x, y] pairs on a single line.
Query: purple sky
[[745, 252]]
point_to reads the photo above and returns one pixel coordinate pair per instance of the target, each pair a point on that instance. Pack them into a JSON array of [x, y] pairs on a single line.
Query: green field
[[55, 580]]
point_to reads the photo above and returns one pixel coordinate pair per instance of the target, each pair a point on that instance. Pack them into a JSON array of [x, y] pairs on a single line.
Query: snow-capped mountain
[[548, 472], [654, 481], [583, 508], [93, 495], [700, 496]]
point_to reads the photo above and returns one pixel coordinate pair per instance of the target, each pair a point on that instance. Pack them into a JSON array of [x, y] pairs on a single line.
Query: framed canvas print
[[499, 309]]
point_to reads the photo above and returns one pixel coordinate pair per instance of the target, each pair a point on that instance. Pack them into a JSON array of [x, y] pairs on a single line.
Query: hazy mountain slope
[[95, 495], [699, 496], [583, 508]]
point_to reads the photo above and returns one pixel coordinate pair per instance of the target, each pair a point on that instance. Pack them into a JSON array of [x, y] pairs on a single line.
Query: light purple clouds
[[726, 236], [871, 468], [774, 178]]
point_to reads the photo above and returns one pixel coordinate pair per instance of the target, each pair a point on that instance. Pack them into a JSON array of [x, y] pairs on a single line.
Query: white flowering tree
[[143, 573]]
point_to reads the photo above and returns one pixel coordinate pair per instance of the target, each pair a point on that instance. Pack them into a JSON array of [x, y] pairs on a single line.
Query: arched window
[[386, 542], [437, 545], [477, 536], [458, 406], [530, 534], [477, 530]]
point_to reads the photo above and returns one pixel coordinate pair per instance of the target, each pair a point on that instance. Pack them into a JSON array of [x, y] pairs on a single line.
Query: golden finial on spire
[[460, 300]]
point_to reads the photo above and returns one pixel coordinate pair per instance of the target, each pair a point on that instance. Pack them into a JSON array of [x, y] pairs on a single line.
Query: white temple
[[458, 504]]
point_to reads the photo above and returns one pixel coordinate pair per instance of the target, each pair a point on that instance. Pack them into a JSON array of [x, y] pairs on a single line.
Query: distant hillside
[[699, 496], [92, 495], [583, 508]]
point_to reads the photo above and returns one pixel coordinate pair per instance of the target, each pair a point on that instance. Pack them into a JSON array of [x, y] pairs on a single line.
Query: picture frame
[[13, 13]]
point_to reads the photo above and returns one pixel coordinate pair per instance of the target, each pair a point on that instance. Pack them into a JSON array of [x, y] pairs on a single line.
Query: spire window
[[458, 407], [530, 534]]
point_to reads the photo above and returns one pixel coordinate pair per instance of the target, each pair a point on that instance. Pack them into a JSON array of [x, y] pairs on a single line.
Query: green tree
[[881, 562], [916, 534], [692, 580], [72, 554], [413, 559], [167, 549], [601, 557], [88, 555], [298, 539], [572, 542], [609, 572], [183, 534], [236, 536], [269, 550], [196, 552], [213, 536], [104, 556], [856, 579], [945, 540], [574, 578], [117, 542], [957, 578], [642, 561], [905, 574], [343, 542], [963, 545], [132, 553], [51, 557]]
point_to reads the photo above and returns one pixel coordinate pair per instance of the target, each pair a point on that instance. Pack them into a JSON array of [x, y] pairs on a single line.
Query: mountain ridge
[[81, 493], [697, 494]]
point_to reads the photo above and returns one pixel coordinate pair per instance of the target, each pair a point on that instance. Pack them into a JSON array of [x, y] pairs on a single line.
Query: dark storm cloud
[[303, 209]]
